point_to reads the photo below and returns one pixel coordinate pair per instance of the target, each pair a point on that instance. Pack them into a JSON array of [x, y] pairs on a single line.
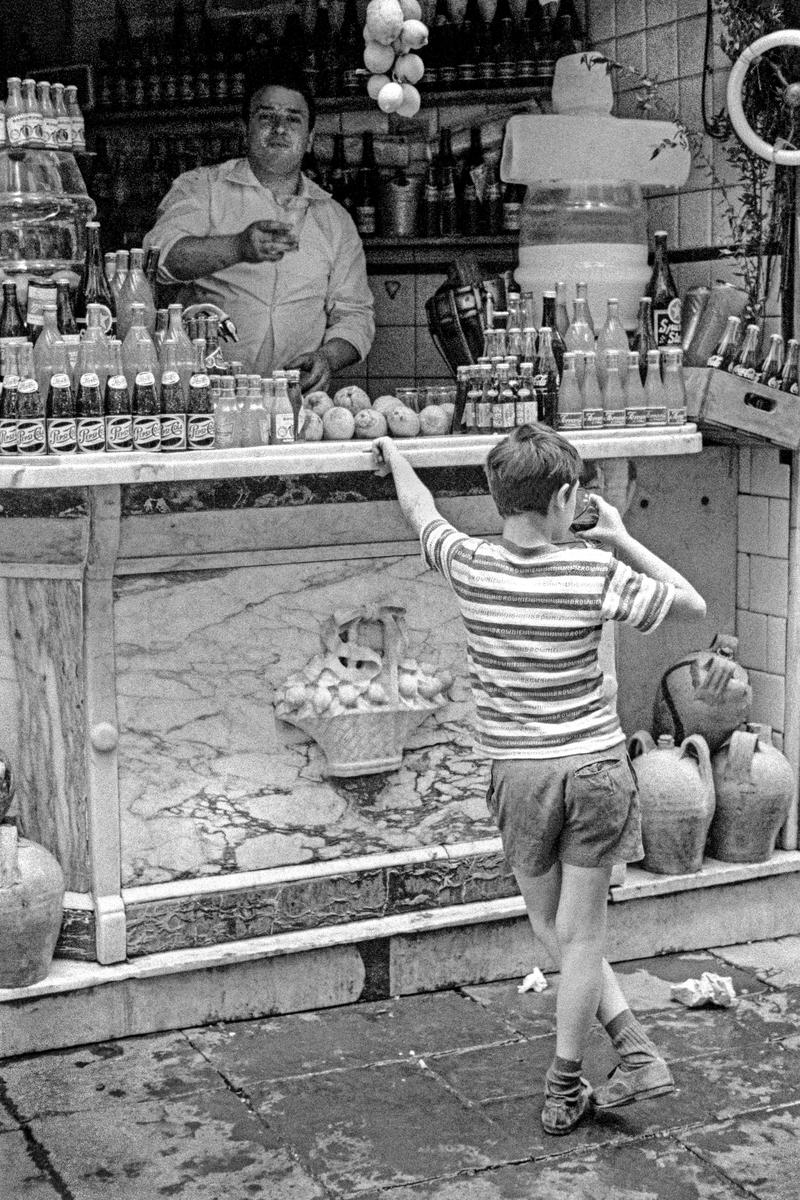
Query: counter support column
[[102, 724], [791, 732]]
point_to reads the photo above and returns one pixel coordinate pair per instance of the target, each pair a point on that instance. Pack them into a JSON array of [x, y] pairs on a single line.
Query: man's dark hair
[[277, 75], [528, 467]]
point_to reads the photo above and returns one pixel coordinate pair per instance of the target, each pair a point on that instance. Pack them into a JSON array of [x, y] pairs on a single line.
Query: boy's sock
[[563, 1079], [630, 1041]]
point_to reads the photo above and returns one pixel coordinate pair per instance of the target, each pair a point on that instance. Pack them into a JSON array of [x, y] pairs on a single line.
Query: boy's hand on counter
[[382, 450], [609, 528]]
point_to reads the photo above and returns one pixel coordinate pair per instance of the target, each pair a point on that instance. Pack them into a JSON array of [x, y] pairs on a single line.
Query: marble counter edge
[[318, 459]]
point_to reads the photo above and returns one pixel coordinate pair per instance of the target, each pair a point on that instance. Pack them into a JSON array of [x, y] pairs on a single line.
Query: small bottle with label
[[592, 395], [63, 122], [283, 415], [772, 366], [75, 117], [527, 409], [227, 419], [15, 113], [570, 400], [49, 122], [614, 395], [118, 417], [60, 420], [200, 430], [89, 418], [503, 409], [32, 130], [172, 403], [655, 399], [146, 412], [664, 295], [674, 386], [31, 436], [545, 380], [8, 403], [635, 406]]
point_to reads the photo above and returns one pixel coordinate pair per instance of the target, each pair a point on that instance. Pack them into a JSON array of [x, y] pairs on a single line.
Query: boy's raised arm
[[414, 498]]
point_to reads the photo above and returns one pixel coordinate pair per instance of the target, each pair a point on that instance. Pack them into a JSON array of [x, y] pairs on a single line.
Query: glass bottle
[[49, 122], [184, 351], [90, 372], [582, 293], [44, 347], [674, 385], [612, 337], [135, 290], [789, 377], [200, 429], [138, 352], [635, 405], [33, 128], [93, 287], [513, 195], [570, 398], [172, 404], [75, 117], [471, 216], [467, 41], [8, 407], [505, 46], [117, 405], [664, 295], [527, 409], [160, 331], [515, 338], [562, 316], [431, 224], [549, 318], [746, 364], [579, 337], [341, 188], [493, 200], [546, 377], [16, 124], [60, 408], [483, 406], [448, 200], [350, 50], [613, 395], [728, 348], [63, 122], [504, 402], [146, 412], [121, 260], [11, 322], [654, 395], [283, 417], [644, 338], [772, 366], [592, 395], [367, 200]]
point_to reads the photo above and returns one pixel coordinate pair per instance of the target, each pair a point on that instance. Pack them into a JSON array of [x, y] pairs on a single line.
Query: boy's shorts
[[582, 810]]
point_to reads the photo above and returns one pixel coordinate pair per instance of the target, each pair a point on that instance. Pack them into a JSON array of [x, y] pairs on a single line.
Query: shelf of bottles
[[205, 67]]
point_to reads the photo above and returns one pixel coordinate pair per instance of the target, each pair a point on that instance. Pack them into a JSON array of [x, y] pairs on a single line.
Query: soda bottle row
[[624, 399], [49, 407], [738, 353], [41, 116], [255, 411]]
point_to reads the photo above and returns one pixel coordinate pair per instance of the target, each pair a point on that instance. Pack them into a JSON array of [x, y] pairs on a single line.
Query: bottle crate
[[716, 398]]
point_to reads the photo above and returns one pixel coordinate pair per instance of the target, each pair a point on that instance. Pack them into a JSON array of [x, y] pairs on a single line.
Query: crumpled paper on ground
[[708, 989], [535, 982]]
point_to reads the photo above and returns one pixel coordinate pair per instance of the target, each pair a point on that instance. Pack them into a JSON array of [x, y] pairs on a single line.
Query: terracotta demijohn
[[754, 785], [707, 692], [676, 794], [31, 901]]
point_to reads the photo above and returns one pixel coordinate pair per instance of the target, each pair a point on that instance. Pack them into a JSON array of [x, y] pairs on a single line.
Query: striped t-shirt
[[533, 619]]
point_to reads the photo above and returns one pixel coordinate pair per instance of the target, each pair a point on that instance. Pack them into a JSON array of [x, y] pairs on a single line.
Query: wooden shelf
[[231, 110], [410, 254]]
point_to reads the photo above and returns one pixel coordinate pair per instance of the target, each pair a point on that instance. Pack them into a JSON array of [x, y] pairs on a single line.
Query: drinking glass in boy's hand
[[608, 526]]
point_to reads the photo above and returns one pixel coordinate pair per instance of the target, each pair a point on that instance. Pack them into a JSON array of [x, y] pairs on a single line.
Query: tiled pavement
[[430, 1097]]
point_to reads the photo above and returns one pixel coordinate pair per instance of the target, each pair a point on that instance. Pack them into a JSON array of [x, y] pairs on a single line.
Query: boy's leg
[[580, 931]]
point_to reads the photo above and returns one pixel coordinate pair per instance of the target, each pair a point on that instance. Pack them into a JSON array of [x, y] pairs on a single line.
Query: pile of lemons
[[392, 33], [351, 414]]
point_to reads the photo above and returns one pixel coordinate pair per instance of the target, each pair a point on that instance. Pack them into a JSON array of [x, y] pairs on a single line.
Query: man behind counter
[[277, 253]]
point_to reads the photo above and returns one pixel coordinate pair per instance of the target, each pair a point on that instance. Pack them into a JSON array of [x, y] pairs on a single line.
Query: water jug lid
[[665, 741]]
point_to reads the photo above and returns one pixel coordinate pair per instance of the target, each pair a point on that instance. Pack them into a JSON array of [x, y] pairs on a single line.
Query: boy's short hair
[[528, 467]]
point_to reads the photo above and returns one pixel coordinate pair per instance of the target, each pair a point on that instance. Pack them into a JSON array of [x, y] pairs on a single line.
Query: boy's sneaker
[[627, 1084], [560, 1115]]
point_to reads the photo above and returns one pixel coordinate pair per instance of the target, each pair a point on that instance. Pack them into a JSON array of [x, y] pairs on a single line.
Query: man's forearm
[[194, 257], [340, 354]]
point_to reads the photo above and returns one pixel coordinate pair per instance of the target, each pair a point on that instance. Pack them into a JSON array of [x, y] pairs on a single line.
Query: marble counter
[[314, 458]]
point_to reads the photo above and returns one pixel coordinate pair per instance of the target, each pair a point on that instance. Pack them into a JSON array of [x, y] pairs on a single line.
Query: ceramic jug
[[31, 900], [676, 794], [754, 784], [707, 692]]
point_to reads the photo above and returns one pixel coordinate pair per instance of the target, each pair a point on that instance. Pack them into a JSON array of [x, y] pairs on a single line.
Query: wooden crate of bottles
[[718, 398]]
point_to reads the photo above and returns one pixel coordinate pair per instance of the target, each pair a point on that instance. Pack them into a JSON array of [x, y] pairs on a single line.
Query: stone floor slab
[[347, 1037], [105, 1075], [646, 982], [759, 1151], [529, 1013], [205, 1146], [687, 1032], [377, 1127], [652, 1170], [776, 962], [21, 1176]]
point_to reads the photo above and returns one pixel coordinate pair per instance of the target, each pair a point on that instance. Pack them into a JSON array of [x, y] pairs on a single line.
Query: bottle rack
[[717, 399]]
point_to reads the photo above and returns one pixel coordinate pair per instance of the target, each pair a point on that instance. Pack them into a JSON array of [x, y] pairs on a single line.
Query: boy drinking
[[562, 791]]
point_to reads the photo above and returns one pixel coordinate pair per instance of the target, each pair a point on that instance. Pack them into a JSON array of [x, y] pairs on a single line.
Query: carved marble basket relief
[[362, 696]]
